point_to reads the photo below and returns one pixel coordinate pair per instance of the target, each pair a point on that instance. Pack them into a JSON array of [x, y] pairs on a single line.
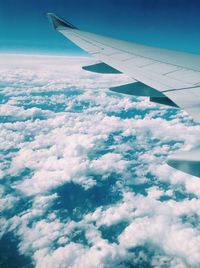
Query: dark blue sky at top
[[171, 24]]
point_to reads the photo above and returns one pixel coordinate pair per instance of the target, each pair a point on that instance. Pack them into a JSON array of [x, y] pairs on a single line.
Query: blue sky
[[166, 23]]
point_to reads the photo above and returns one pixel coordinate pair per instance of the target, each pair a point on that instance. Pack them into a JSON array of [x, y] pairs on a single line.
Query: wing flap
[[102, 68], [163, 101], [137, 89]]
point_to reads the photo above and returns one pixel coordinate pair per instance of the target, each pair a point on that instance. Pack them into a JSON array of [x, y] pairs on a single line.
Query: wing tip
[[58, 22]]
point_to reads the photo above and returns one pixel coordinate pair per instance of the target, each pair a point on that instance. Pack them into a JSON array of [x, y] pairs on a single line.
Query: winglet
[[59, 22]]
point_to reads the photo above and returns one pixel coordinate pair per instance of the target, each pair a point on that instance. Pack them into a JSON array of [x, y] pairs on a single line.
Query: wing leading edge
[[170, 77]]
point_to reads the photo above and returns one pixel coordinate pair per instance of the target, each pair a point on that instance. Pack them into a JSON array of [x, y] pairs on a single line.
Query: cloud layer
[[84, 180]]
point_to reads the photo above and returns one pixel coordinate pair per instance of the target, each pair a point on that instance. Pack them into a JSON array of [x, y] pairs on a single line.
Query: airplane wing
[[165, 76]]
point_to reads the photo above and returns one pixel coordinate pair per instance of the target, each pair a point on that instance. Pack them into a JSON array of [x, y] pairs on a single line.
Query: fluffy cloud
[[62, 128]]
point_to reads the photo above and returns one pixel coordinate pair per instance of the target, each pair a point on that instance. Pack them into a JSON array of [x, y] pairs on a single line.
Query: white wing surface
[[166, 76]]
